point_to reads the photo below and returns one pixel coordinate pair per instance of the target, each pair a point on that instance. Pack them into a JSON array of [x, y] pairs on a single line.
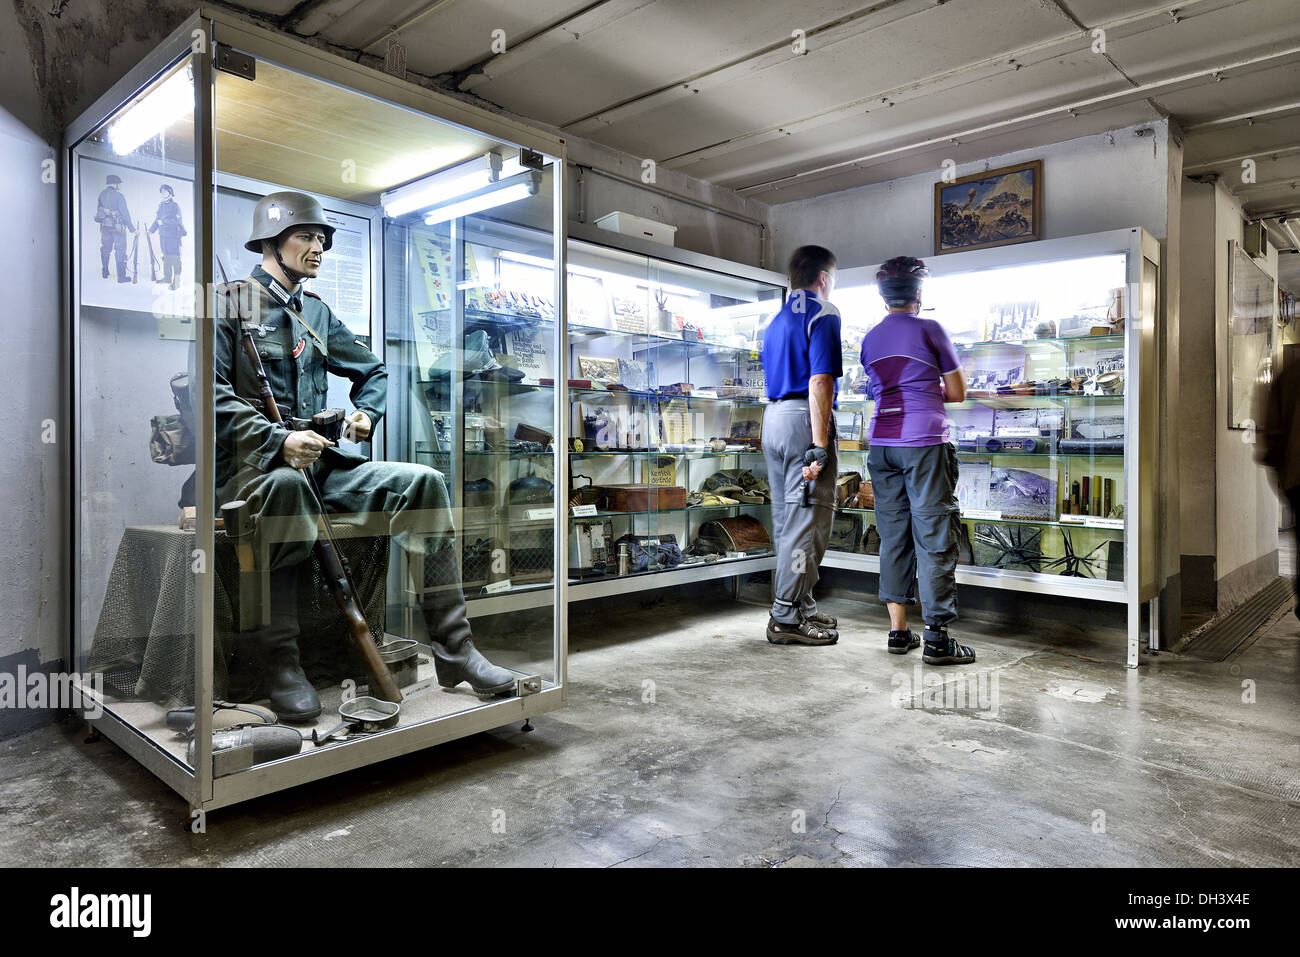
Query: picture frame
[[1252, 304], [998, 207], [599, 370]]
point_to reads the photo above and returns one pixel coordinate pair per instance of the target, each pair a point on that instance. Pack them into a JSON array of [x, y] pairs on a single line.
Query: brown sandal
[[826, 621], [805, 633]]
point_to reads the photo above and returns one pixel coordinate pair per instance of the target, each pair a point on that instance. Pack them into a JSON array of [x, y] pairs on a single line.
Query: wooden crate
[[643, 498]]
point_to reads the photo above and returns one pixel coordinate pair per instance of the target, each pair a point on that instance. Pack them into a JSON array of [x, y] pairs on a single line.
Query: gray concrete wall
[[698, 229], [1246, 503], [1229, 511], [1199, 434], [1090, 184], [1171, 410], [30, 473]]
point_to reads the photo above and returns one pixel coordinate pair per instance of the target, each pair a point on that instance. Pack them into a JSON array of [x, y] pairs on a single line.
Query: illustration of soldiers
[[169, 227], [301, 341], [114, 225]]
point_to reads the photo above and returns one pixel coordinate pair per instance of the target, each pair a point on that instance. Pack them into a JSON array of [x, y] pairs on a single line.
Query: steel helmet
[[479, 493], [531, 490], [899, 279], [277, 212]]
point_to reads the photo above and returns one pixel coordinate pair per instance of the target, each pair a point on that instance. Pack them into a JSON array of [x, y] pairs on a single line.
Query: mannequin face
[[302, 251]]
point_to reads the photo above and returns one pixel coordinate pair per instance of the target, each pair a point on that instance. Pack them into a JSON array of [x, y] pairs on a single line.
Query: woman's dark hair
[[807, 263], [899, 280]]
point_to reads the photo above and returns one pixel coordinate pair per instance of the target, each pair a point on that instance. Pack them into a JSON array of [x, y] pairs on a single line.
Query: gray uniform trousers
[[917, 517], [407, 502], [404, 501], [799, 534]]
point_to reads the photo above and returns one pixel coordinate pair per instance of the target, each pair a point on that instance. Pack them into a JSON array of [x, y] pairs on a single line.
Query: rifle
[[153, 260], [338, 577]]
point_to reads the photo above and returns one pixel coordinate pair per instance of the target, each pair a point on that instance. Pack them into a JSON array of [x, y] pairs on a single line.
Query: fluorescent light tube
[[442, 186], [476, 204], [526, 259], [161, 107]]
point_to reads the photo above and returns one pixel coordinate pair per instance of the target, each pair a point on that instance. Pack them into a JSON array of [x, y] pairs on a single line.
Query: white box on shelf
[[630, 225]]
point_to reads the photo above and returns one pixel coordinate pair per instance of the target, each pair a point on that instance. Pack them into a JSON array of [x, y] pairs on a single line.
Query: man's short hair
[[807, 263]]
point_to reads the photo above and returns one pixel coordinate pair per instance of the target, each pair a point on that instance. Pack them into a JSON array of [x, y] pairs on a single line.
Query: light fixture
[[671, 290], [442, 186], [494, 195], [450, 183], [526, 259], [162, 106]]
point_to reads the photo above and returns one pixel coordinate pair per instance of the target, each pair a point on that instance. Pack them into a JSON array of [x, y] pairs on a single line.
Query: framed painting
[[995, 208]]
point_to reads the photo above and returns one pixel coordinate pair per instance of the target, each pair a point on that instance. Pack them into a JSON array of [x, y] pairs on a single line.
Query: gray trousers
[[799, 534], [917, 517], [408, 503]]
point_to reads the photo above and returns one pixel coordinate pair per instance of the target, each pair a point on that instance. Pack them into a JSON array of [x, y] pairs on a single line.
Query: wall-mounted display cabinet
[[1056, 438], [661, 384], [181, 596]]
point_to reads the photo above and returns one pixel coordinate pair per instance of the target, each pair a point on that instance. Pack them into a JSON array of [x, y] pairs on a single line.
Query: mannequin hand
[[358, 427], [301, 449]]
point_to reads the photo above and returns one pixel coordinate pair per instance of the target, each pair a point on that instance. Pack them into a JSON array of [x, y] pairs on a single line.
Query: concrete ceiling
[[716, 89]]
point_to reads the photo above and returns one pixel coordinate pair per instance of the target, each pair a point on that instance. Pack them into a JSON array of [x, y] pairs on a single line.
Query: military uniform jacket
[[112, 212], [168, 220], [297, 365]]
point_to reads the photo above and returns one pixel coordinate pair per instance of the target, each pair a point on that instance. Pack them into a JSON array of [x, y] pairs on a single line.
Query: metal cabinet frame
[[1141, 416], [198, 36]]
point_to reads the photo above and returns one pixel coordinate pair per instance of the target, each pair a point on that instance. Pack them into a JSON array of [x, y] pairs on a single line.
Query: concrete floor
[[757, 755]]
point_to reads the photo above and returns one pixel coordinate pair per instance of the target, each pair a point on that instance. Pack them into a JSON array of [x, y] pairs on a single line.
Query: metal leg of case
[[1153, 634]]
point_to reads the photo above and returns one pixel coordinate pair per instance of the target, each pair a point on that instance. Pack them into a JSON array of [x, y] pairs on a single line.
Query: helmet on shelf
[[531, 490]]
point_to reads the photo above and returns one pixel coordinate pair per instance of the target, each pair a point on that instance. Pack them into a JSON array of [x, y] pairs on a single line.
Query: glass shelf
[[1112, 339], [670, 511], [1045, 523], [677, 455], [474, 319], [683, 565], [1023, 455], [1009, 401], [747, 401]]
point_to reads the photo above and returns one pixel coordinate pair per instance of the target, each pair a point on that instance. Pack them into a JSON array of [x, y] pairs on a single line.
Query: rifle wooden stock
[[336, 572]]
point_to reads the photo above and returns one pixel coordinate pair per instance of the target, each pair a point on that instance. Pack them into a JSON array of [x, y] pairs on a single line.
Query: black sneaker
[[941, 649], [901, 642]]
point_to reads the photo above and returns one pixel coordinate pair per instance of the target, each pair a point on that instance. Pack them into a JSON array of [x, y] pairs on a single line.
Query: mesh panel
[[144, 639], [532, 554]]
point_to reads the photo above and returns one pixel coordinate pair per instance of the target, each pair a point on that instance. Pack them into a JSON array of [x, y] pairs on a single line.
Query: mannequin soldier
[[169, 227], [114, 224], [301, 341]]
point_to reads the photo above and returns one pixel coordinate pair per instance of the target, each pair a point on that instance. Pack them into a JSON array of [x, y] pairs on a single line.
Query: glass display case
[[273, 541], [1054, 439], [661, 387]]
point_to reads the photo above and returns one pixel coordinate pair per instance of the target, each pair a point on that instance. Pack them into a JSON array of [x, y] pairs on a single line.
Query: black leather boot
[[292, 696], [455, 659]]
